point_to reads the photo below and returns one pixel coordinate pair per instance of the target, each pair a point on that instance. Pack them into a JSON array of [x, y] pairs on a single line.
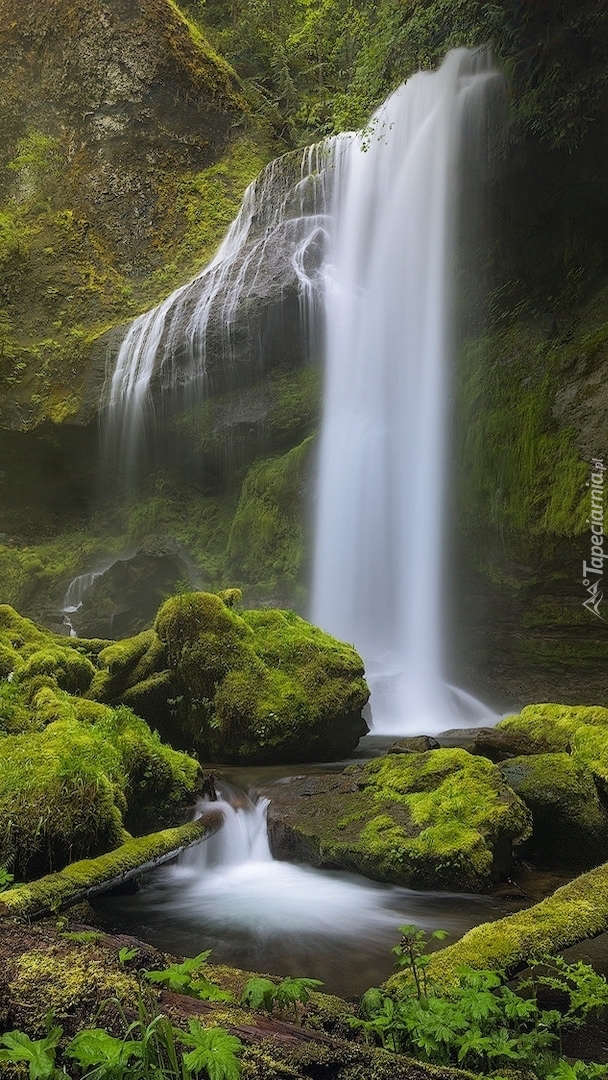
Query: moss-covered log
[[89, 877], [574, 912]]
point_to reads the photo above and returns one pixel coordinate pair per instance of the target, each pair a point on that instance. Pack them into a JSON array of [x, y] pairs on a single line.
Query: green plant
[[482, 1024], [213, 1050], [264, 993], [125, 954], [39, 1055], [186, 978], [6, 879], [83, 937]]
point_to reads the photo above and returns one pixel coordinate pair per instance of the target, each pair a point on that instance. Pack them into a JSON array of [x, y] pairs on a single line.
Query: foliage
[[266, 994], [481, 1024], [39, 1054], [147, 1050], [186, 978]]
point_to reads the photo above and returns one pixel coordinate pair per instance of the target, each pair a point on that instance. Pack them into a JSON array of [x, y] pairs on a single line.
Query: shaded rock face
[[126, 91], [125, 598], [570, 824]]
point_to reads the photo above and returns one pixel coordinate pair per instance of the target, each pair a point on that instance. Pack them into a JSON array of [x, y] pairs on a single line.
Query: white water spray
[[229, 894], [380, 517]]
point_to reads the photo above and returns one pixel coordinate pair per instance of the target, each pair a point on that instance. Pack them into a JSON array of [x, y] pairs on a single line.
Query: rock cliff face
[[110, 112], [130, 92]]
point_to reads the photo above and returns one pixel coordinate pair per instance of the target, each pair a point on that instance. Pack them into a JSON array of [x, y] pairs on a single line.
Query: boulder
[[441, 819], [124, 599], [413, 744], [569, 823]]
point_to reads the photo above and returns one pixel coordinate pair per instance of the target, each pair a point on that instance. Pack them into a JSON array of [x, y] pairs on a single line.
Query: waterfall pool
[[229, 895]]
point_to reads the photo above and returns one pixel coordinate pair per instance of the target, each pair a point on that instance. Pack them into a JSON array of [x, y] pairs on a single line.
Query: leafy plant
[[39, 1055], [186, 978], [83, 937], [264, 993], [482, 1024], [6, 879], [125, 954], [213, 1050]]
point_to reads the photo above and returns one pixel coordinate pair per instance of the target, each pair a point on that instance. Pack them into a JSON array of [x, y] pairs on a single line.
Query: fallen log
[[90, 877]]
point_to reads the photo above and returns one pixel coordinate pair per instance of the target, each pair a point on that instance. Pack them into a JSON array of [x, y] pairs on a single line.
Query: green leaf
[[125, 954], [214, 1051], [259, 993], [40, 1055], [94, 1046]]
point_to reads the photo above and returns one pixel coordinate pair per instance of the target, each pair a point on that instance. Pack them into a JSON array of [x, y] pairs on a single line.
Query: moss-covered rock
[[261, 686], [569, 823], [550, 728], [70, 789], [86, 877], [440, 819], [76, 772]]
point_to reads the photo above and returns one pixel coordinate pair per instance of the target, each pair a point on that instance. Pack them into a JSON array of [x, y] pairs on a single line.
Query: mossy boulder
[[550, 728], [71, 789], [77, 773], [262, 686], [440, 819], [570, 824]]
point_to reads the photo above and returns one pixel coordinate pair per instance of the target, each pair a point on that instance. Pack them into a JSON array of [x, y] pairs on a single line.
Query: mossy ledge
[[574, 912], [89, 877]]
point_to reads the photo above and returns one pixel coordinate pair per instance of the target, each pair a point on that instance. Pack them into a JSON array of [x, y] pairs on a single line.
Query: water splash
[[388, 300]]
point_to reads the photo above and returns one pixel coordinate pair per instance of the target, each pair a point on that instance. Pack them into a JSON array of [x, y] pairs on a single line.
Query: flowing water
[[364, 228], [388, 300], [229, 894]]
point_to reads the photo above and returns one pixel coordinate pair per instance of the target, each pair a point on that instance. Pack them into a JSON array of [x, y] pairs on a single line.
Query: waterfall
[[388, 298], [196, 339], [230, 895], [365, 225]]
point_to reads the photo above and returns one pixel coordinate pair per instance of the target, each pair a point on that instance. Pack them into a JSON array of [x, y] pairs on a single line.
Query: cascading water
[[388, 298], [230, 895], [188, 343], [367, 222]]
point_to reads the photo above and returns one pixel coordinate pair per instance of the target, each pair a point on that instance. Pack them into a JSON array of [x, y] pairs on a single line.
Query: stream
[[229, 895]]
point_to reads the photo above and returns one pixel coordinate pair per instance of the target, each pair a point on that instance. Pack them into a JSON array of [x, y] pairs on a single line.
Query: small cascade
[[242, 838], [76, 590], [230, 895]]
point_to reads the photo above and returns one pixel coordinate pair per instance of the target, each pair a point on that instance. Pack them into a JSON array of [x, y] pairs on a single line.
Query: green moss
[[261, 684], [58, 890], [73, 978], [61, 793], [440, 819], [570, 826], [71, 670], [551, 727], [576, 911], [266, 538], [517, 469], [74, 768]]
